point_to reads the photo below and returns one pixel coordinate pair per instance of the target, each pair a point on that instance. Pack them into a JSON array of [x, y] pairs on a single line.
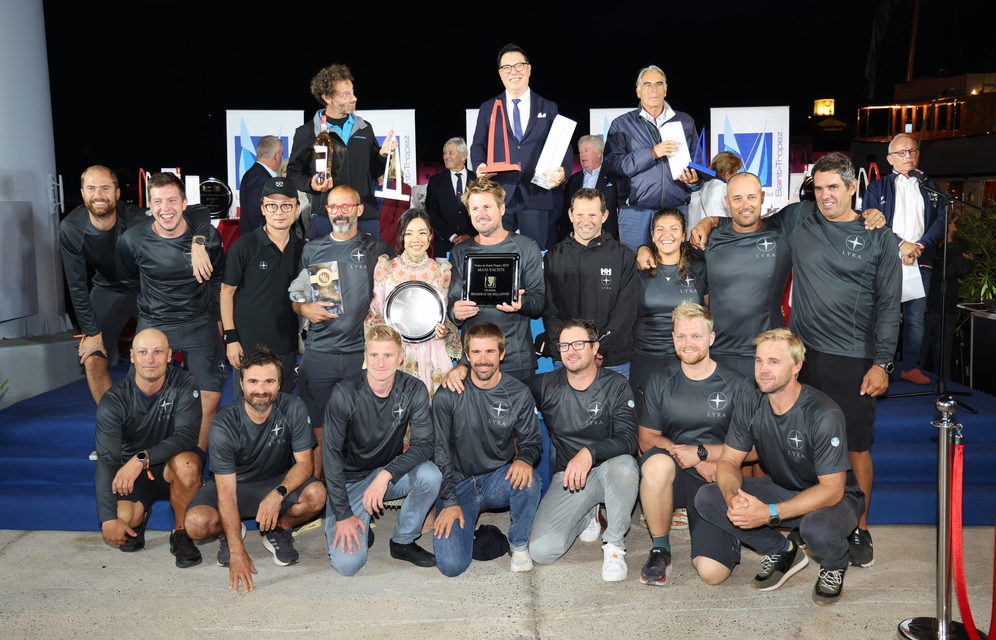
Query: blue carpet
[[46, 480]]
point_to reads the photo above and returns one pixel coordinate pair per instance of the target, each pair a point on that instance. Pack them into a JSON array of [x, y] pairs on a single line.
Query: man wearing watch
[[255, 308], [146, 439], [800, 438], [683, 421], [252, 443]]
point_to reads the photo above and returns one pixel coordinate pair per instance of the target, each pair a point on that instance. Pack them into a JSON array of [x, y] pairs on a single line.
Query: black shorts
[[318, 373], [149, 491], [249, 495], [203, 354], [840, 378], [113, 311], [708, 540]]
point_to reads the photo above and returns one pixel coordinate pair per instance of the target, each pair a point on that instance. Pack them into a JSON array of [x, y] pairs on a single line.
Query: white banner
[[402, 122], [244, 128], [760, 136]]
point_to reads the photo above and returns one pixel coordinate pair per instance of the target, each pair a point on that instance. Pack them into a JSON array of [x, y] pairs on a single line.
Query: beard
[[260, 402]]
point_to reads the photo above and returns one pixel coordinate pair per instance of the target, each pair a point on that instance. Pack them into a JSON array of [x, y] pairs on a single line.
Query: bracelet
[[231, 335]]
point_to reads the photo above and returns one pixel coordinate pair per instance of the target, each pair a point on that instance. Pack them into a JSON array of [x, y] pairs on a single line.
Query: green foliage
[[980, 231]]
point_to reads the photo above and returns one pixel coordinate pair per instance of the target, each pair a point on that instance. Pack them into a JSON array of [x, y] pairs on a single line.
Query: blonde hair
[[383, 333], [795, 347], [690, 311], [485, 186]]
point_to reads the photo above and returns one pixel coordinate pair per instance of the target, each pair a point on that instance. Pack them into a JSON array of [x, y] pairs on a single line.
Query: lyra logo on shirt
[[853, 246], [765, 247], [499, 409], [795, 443], [717, 401], [263, 265], [277, 433], [398, 411], [166, 405], [358, 255], [688, 281], [606, 277]]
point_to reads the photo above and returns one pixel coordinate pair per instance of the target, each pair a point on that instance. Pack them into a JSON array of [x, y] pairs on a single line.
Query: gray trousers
[[563, 514]]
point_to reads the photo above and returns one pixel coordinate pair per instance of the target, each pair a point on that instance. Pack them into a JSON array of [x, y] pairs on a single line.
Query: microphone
[[917, 175]]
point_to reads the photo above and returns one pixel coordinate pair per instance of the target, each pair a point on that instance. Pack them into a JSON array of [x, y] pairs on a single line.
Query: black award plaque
[[491, 278]]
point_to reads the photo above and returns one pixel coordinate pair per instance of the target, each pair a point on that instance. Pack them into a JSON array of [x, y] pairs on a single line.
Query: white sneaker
[[614, 563], [593, 530], [521, 561]]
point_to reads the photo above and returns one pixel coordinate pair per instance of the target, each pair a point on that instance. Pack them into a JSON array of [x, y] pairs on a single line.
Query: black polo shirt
[[262, 273]]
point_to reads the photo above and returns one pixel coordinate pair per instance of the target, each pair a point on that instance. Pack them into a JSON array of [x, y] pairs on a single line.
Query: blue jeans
[[634, 226], [420, 485], [477, 493], [914, 313]]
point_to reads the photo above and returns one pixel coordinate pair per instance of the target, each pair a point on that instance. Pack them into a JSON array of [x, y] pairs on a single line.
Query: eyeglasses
[[286, 207], [577, 345], [345, 208], [508, 68], [903, 153]]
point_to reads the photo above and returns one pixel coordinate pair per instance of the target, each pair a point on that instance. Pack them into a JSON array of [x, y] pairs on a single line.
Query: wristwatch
[[888, 366], [702, 452], [143, 457], [200, 240], [773, 520], [282, 490]]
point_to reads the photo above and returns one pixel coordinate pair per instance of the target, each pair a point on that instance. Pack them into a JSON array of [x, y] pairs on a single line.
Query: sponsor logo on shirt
[[596, 413], [606, 278], [263, 265], [795, 443], [358, 259], [765, 247], [398, 411], [717, 402], [167, 406], [499, 409], [853, 246], [278, 434]]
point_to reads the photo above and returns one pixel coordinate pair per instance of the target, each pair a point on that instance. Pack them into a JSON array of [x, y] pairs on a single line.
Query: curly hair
[[323, 84]]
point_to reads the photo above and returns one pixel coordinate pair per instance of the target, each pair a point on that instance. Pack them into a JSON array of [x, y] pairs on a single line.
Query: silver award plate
[[414, 308]]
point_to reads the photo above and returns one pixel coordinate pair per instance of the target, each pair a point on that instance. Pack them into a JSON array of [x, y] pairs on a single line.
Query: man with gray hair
[[591, 176], [916, 217], [269, 152], [450, 222], [635, 150]]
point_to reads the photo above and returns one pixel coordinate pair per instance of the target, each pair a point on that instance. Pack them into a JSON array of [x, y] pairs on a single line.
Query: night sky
[[153, 91]]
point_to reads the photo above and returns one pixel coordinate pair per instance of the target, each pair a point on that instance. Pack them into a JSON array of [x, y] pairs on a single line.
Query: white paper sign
[[679, 161], [554, 150], [912, 282]]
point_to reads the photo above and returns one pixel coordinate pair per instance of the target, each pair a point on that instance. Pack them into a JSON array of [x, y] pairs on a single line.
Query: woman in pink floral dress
[[430, 360]]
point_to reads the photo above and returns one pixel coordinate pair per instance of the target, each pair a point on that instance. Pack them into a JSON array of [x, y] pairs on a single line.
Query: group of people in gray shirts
[[675, 383]]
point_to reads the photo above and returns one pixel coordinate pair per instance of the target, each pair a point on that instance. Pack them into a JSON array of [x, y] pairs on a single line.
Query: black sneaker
[[861, 551], [137, 543], [413, 553], [657, 568], [796, 537], [183, 549], [224, 553], [829, 586], [280, 542], [779, 567], [370, 537]]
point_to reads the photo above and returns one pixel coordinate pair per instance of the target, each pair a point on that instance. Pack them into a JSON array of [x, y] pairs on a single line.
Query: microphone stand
[[940, 387]]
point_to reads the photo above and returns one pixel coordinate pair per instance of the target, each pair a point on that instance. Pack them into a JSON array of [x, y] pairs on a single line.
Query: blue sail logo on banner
[[754, 149], [245, 151]]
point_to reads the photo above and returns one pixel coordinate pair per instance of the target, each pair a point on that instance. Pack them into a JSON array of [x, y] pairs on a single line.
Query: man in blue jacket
[[635, 151], [528, 118], [917, 219]]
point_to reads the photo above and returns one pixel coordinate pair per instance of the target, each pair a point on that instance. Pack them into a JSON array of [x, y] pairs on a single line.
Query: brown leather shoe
[[915, 376]]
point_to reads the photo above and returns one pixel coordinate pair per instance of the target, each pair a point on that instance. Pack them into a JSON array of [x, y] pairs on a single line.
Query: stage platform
[[46, 479]]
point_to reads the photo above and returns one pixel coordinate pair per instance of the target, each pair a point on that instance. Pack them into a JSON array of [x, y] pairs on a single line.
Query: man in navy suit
[[528, 207], [269, 152], [591, 176], [917, 219], [450, 222]]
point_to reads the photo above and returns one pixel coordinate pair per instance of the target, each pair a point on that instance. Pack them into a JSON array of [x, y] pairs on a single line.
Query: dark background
[[147, 84]]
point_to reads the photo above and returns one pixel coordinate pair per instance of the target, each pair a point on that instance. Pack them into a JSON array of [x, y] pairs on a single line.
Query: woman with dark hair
[[430, 360], [678, 275]]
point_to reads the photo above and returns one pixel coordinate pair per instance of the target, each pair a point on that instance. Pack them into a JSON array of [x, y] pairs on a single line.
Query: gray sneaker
[[224, 554], [280, 542], [779, 567], [829, 586]]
